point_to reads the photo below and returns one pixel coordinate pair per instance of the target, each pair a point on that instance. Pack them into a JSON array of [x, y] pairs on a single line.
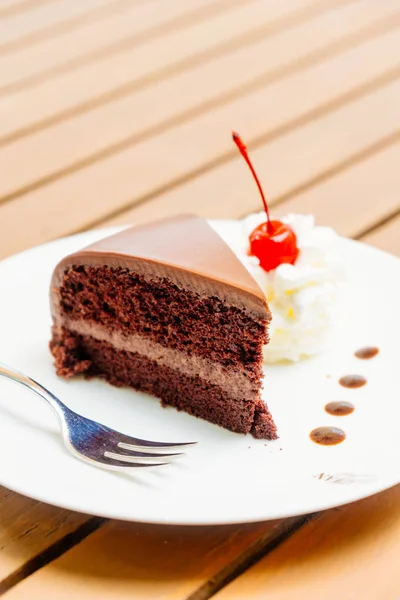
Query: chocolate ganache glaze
[[185, 248]]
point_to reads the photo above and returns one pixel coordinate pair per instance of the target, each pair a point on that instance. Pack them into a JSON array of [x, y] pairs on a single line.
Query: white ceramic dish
[[226, 478]]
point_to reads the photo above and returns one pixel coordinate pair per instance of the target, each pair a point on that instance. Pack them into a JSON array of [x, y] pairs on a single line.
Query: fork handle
[[33, 385]]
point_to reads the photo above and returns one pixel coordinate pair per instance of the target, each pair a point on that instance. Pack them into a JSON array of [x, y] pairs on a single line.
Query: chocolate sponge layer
[[176, 318], [76, 354]]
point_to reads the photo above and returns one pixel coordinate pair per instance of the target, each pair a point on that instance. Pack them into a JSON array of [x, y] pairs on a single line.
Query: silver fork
[[95, 443]]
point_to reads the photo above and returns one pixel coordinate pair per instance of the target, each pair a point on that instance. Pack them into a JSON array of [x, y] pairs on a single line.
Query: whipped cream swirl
[[302, 297]]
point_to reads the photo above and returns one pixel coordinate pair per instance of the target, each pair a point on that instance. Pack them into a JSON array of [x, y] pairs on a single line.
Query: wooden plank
[[28, 528], [95, 40], [115, 76], [125, 561], [288, 162], [352, 552], [50, 18], [75, 201], [105, 130], [387, 236], [10, 7], [352, 201]]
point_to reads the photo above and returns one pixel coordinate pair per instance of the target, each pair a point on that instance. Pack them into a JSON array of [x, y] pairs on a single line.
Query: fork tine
[[126, 450], [128, 458], [130, 443], [119, 465], [150, 450]]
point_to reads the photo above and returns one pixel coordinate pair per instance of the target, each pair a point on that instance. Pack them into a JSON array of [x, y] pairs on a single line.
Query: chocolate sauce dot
[[352, 381], [339, 408], [367, 352], [327, 436]]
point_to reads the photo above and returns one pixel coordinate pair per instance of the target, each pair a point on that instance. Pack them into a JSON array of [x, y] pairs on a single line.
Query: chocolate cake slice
[[166, 308]]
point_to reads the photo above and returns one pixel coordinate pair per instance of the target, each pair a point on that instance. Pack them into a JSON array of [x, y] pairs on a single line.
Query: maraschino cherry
[[272, 242]]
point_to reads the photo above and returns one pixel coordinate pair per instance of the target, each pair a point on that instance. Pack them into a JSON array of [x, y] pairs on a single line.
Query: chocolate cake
[[166, 308]]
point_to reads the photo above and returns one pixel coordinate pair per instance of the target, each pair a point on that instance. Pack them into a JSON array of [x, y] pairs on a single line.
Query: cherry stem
[[243, 151]]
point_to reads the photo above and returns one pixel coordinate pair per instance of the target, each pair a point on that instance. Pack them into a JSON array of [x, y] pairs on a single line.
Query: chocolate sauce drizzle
[[352, 381], [366, 353], [340, 408], [327, 436], [330, 436]]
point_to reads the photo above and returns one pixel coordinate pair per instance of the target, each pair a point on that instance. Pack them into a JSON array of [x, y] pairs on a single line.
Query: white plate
[[226, 478]]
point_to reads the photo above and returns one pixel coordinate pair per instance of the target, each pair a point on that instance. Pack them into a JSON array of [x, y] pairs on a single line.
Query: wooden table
[[117, 111]]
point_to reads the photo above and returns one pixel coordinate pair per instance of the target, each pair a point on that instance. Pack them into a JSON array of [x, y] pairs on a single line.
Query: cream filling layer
[[233, 382]]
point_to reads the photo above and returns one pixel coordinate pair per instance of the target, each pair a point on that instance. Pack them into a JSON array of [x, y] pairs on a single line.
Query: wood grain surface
[[120, 111], [28, 529], [347, 553], [132, 561]]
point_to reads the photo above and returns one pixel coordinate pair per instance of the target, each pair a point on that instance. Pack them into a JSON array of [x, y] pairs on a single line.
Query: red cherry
[[273, 242]]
